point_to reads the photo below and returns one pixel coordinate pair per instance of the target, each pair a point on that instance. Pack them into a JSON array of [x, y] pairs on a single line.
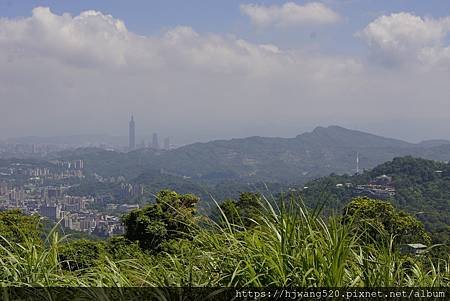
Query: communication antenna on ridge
[[357, 162]]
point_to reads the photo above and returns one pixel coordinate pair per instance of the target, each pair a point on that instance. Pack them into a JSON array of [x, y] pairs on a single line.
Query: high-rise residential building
[[132, 134], [52, 212], [50, 193], [17, 195], [167, 143], [155, 143], [78, 164], [4, 189]]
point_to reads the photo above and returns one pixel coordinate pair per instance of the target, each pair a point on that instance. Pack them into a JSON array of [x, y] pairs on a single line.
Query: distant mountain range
[[318, 153]]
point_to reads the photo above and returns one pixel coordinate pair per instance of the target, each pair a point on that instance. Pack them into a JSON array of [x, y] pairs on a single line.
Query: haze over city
[[202, 70]]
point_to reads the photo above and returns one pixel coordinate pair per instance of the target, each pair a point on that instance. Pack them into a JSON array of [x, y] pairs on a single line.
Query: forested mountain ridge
[[289, 160]]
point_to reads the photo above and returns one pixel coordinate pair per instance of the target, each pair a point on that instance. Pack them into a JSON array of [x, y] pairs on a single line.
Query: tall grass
[[286, 246]]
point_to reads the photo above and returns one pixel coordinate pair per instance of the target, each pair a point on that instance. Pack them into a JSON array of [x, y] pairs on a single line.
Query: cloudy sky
[[199, 70]]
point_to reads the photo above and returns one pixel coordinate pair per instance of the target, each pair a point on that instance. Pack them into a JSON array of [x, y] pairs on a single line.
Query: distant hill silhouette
[[318, 153]]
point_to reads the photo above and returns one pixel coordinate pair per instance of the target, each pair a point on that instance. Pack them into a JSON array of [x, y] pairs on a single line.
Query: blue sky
[[226, 68], [223, 16]]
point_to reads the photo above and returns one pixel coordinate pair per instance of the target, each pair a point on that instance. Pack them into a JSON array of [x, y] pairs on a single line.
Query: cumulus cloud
[[407, 38], [94, 40], [65, 74], [290, 14], [90, 65], [88, 38]]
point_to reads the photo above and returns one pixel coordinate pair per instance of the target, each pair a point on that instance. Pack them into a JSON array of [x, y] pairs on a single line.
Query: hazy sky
[[200, 70]]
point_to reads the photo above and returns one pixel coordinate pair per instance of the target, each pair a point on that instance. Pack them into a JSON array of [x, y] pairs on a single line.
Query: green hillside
[[260, 159], [422, 188], [168, 243]]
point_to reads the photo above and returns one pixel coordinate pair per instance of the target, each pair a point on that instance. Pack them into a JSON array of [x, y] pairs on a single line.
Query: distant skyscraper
[[132, 134], [155, 143], [357, 163], [167, 143]]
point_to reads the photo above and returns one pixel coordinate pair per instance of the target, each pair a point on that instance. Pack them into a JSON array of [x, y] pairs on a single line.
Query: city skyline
[[148, 140], [154, 143]]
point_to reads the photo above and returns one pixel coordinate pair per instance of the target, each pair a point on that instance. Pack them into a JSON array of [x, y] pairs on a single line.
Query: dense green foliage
[[17, 227], [243, 212], [287, 246], [373, 217], [81, 254], [422, 189], [120, 248], [154, 181], [171, 217]]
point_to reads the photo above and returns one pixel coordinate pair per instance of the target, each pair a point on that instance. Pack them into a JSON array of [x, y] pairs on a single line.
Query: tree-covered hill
[[422, 188], [256, 159]]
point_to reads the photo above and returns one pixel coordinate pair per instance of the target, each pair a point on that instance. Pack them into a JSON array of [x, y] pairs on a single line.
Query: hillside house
[[413, 249]]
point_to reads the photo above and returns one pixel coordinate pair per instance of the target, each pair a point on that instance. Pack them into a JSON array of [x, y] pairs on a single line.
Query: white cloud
[[81, 74], [290, 14], [407, 38], [88, 38], [90, 65], [95, 40]]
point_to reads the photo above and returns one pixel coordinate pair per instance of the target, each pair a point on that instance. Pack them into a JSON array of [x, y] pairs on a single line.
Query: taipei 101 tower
[[132, 134]]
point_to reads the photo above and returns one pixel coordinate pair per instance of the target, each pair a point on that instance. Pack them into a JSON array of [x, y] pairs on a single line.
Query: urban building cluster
[[73, 212], [29, 149], [43, 189], [380, 188], [53, 171], [128, 190]]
